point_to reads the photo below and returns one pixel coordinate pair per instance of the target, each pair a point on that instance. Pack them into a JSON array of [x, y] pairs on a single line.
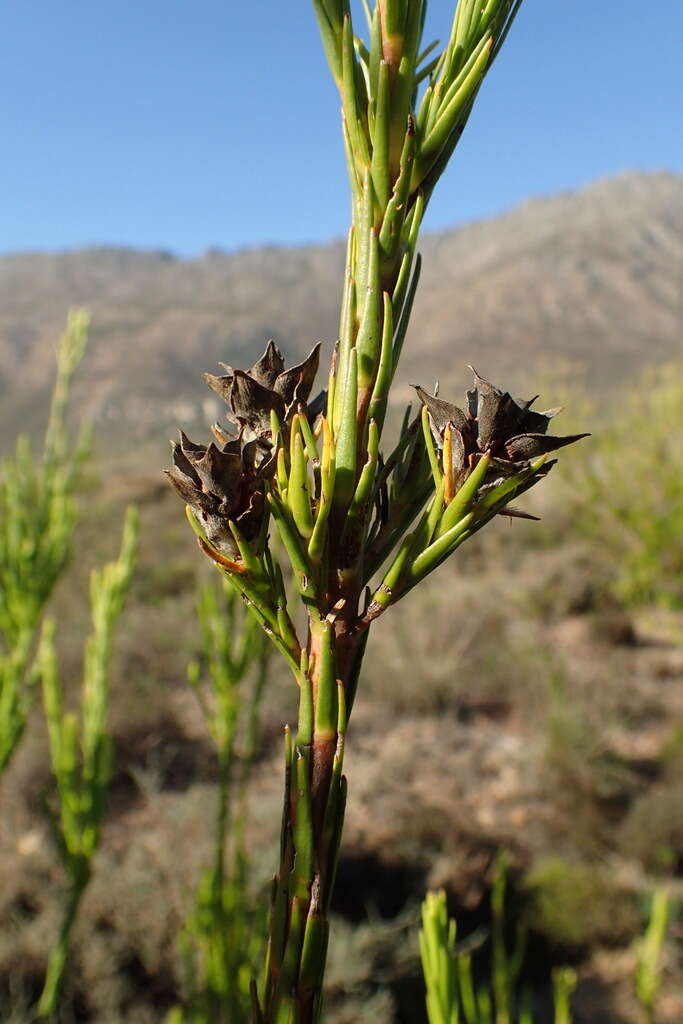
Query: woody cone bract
[[359, 527]]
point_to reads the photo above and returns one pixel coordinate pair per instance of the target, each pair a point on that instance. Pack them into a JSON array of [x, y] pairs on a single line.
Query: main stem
[[315, 789], [379, 288], [80, 875], [313, 816], [395, 155]]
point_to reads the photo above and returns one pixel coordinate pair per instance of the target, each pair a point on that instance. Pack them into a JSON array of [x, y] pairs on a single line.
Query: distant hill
[[587, 283]]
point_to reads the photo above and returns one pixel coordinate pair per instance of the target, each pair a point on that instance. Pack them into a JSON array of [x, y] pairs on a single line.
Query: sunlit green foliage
[[437, 950], [222, 939], [628, 491], [80, 746], [649, 947], [37, 519], [452, 994]]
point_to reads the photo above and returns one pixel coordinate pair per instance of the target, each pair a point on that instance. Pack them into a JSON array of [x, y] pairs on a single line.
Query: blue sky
[[183, 124]]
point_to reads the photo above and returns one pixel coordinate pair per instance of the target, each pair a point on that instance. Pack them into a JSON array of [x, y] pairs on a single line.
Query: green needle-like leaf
[[285, 1006], [303, 571], [453, 88], [346, 440], [326, 711], [429, 445], [353, 104], [505, 15], [465, 495], [363, 237], [404, 82], [448, 117], [376, 54], [252, 562], [347, 331], [392, 223], [443, 546], [424, 533], [410, 231], [303, 826], [354, 524], [304, 734], [330, 33], [313, 954], [314, 949], [337, 823], [368, 344], [327, 475], [406, 310], [508, 489], [310, 442], [380, 393], [381, 175], [298, 493]]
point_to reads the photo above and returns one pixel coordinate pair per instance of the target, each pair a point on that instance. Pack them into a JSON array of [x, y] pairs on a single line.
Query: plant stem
[[59, 952], [313, 817]]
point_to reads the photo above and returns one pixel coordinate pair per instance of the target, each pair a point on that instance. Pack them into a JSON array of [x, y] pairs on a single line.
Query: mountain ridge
[[633, 182], [585, 283]]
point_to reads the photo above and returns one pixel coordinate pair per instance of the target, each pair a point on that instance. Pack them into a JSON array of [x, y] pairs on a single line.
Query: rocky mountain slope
[[588, 283]]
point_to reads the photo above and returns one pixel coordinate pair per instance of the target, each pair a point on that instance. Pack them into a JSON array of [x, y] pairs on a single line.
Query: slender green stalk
[[648, 971], [49, 999], [564, 983], [219, 942], [437, 951], [81, 750], [500, 975], [451, 995], [37, 521]]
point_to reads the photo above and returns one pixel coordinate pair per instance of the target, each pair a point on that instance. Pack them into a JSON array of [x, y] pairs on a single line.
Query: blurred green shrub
[[452, 995], [576, 904], [652, 831], [37, 520], [580, 770], [221, 941], [628, 491], [81, 748]]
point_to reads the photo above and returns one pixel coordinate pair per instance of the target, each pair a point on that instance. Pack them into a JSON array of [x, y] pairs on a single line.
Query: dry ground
[[510, 705]]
